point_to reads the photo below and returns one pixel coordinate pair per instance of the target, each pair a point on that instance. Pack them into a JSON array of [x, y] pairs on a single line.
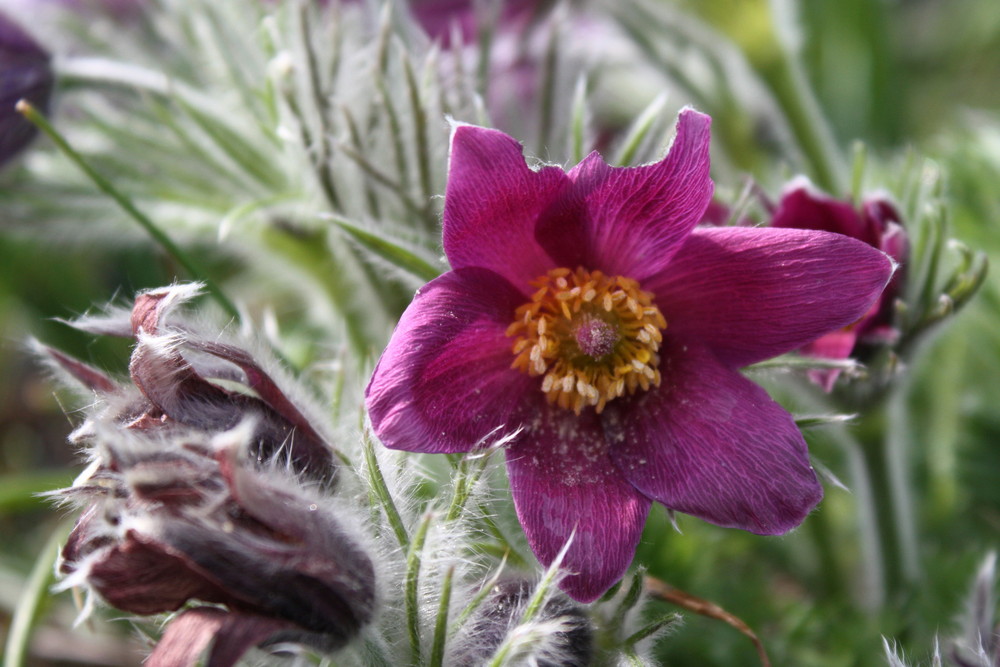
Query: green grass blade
[[29, 606], [105, 186], [389, 250]]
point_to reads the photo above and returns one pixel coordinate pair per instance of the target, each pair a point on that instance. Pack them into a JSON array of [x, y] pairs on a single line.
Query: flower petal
[[834, 345], [444, 383], [711, 443], [633, 219], [86, 375], [802, 207], [564, 484], [492, 203], [750, 294], [234, 633], [143, 576]]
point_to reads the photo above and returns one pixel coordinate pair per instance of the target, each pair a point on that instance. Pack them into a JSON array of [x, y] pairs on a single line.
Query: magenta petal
[[444, 383], [835, 345], [634, 218], [750, 294], [492, 203], [710, 443], [562, 480], [803, 208]]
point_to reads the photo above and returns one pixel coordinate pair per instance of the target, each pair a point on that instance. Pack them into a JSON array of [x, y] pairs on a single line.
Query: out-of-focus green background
[[894, 73]]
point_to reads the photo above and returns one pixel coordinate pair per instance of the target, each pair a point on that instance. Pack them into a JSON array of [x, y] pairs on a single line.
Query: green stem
[[875, 458], [883, 435], [382, 493], [833, 579], [412, 590], [28, 111], [791, 87], [29, 606], [870, 587]]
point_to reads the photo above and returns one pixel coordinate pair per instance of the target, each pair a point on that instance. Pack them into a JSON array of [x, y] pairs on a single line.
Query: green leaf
[[382, 494], [411, 591], [36, 592], [19, 491], [390, 250], [639, 130], [660, 624], [441, 625]]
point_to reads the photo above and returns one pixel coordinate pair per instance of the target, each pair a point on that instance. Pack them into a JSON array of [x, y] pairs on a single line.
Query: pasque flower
[[588, 320], [877, 223], [195, 492]]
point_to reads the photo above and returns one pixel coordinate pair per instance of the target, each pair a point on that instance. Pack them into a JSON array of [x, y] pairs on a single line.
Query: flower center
[[593, 337]]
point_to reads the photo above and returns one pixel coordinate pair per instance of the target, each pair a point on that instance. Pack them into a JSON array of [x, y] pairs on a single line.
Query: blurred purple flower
[[589, 321], [878, 224], [25, 73], [441, 18]]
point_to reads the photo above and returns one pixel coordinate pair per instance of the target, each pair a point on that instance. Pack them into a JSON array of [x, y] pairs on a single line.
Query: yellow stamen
[[593, 337]]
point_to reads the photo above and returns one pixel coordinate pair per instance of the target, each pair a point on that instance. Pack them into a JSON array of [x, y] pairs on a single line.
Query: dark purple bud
[[25, 73], [504, 608], [188, 395]]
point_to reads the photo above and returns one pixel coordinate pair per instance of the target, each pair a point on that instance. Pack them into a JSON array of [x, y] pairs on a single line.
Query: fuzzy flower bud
[[170, 521], [195, 493], [503, 609], [191, 381]]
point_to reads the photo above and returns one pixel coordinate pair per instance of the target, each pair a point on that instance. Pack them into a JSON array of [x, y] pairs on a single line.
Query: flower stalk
[[160, 237], [799, 102]]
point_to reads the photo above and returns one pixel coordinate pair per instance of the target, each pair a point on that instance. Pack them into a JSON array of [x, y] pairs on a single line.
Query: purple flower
[[878, 224], [586, 318], [25, 73], [439, 18]]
